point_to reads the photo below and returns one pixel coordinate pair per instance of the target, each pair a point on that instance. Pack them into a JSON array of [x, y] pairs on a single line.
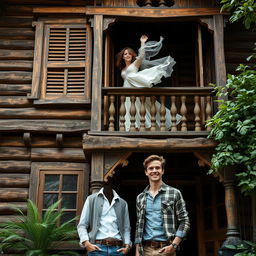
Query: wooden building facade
[[62, 125]]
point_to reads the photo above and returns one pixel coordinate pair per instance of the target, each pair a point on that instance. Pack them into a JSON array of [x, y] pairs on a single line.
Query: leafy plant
[[241, 10], [234, 127], [246, 249], [38, 236]]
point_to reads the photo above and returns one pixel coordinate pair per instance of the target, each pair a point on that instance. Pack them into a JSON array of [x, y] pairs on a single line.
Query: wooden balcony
[[185, 109]]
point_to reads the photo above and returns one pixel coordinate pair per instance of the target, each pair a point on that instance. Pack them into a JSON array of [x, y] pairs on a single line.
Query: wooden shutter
[[66, 62]]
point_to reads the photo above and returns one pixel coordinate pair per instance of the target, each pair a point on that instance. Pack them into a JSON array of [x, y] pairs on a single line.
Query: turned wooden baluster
[[153, 113], [162, 111], [183, 111], [142, 113], [162, 3], [122, 112], [173, 113], [132, 114], [112, 113], [197, 114], [208, 110], [147, 2]]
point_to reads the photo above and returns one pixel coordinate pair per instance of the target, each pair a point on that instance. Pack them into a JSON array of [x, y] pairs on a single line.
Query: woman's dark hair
[[120, 61]]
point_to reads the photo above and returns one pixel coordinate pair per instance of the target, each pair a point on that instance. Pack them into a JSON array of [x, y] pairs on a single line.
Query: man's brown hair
[[152, 158]]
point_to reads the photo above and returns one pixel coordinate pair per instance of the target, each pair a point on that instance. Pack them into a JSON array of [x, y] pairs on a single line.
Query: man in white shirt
[[104, 226]]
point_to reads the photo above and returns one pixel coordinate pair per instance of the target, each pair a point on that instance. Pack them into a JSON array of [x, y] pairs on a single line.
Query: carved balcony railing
[[188, 107]]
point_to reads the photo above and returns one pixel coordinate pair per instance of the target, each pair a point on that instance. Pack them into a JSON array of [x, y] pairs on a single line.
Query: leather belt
[[109, 242], [155, 244]]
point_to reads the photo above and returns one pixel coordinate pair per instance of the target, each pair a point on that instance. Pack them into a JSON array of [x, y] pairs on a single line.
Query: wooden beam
[[64, 154], [17, 44], [14, 180], [132, 11], [102, 143], [14, 101], [97, 73], [31, 113], [46, 125], [14, 153], [40, 141], [15, 166], [13, 194], [9, 208], [19, 65], [14, 89]]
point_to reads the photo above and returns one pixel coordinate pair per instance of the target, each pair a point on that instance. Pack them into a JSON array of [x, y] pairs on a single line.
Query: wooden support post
[[219, 56], [97, 167], [233, 235], [97, 74], [97, 160]]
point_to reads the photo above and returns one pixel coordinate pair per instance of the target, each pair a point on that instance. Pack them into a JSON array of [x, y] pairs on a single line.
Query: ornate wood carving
[[112, 161], [107, 22]]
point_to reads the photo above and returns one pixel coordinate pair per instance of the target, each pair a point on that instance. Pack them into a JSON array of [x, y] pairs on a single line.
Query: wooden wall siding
[[14, 183], [238, 45]]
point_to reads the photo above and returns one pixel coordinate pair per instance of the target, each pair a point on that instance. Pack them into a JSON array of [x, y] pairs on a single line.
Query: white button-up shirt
[[108, 225]]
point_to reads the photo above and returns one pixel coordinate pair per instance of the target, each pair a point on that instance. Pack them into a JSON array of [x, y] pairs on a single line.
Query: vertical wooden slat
[[97, 74], [37, 62], [97, 158], [106, 73], [219, 56], [88, 62]]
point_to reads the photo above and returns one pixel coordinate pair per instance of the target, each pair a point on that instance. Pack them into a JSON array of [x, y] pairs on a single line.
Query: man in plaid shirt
[[162, 219]]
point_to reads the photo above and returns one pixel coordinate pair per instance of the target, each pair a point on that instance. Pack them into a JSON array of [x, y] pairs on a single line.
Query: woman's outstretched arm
[[138, 61]]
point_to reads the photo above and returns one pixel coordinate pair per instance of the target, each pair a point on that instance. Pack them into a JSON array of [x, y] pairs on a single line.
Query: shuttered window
[[66, 63], [62, 62]]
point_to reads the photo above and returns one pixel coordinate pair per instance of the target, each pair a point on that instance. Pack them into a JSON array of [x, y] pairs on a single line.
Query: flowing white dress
[[151, 73]]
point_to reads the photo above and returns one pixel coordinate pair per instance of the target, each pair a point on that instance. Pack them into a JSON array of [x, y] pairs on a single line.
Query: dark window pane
[[68, 201], [69, 183], [68, 216], [49, 199], [51, 183]]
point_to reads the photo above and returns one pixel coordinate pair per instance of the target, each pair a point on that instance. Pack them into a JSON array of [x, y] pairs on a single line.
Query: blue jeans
[[106, 251]]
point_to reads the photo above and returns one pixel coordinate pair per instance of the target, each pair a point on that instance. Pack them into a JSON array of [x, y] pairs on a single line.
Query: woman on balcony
[[142, 72]]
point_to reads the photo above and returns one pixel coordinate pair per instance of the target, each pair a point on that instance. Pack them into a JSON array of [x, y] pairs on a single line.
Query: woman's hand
[[143, 39]]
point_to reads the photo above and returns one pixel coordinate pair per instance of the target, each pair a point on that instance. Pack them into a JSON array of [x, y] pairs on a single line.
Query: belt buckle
[[108, 243]]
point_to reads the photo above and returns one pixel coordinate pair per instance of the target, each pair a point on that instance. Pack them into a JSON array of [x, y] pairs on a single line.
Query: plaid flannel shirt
[[173, 208]]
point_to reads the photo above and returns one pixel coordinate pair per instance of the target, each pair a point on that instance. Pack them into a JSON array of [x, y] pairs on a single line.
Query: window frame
[[40, 63], [37, 185]]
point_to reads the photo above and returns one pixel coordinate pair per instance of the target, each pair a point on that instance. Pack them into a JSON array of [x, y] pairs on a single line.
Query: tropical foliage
[[245, 249], [241, 10], [234, 127], [38, 236]]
